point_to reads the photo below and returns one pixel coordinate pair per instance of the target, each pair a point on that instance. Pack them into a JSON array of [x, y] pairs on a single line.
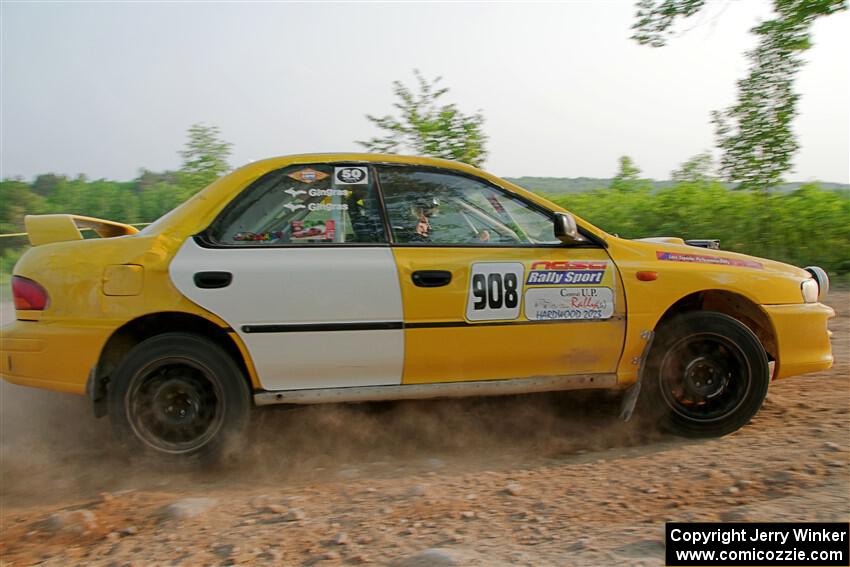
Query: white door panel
[[328, 359], [274, 290]]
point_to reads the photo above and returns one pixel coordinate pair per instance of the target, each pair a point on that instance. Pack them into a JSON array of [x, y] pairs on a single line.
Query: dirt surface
[[534, 480]]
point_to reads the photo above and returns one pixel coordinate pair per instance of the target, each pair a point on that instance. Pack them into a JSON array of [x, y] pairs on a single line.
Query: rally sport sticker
[[568, 303], [566, 272]]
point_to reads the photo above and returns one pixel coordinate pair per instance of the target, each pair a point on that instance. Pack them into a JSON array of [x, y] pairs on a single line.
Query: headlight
[[810, 290], [822, 280]]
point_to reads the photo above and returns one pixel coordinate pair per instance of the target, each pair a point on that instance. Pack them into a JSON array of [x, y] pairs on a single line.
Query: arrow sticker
[[292, 207], [295, 192]]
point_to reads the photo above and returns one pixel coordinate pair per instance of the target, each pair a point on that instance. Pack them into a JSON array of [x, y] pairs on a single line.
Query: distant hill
[[563, 185]]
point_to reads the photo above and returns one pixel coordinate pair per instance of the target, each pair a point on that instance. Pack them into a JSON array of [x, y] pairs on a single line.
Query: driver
[[422, 213]]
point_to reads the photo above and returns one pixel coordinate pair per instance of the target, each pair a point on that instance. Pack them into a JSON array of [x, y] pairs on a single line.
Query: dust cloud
[[52, 448]]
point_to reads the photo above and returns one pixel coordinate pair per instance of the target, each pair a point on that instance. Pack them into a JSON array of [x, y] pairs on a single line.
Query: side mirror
[[565, 228]]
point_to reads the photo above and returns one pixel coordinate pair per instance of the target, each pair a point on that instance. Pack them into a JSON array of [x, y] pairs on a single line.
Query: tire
[[178, 395], [706, 376]]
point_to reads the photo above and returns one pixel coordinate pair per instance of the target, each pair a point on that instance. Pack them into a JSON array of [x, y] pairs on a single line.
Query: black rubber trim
[[448, 324], [395, 325], [323, 327], [203, 240]]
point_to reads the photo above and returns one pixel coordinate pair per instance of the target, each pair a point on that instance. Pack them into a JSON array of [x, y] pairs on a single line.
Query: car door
[[299, 266], [488, 291]]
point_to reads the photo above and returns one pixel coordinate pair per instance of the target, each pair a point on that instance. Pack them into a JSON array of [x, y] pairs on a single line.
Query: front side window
[[431, 207], [304, 204]]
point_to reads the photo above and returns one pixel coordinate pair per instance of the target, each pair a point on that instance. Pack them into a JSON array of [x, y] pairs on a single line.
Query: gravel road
[[533, 480]]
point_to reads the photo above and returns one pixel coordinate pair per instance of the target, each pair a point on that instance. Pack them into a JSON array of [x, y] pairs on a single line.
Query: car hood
[[674, 249]]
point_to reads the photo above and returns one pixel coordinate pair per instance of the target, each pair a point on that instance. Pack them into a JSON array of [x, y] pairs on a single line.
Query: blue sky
[[106, 88]]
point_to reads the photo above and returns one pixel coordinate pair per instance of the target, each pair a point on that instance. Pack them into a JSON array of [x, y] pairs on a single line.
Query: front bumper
[[802, 337], [48, 355]]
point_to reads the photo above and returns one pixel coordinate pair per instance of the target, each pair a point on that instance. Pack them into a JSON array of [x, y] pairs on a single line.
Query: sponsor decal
[[295, 206], [351, 175], [705, 259], [564, 272], [495, 291], [295, 192], [494, 202], [262, 237], [569, 303], [327, 207], [313, 230], [329, 192], [307, 175]]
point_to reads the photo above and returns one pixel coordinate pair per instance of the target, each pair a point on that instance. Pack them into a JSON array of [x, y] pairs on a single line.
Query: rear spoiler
[[46, 229]]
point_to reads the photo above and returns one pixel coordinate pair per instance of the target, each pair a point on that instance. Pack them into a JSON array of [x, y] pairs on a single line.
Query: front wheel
[[706, 376], [178, 394]]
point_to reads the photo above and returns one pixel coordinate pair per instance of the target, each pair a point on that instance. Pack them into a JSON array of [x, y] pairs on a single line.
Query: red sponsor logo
[[569, 265]]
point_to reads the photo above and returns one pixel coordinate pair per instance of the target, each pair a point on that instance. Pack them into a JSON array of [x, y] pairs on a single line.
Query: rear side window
[[304, 204]]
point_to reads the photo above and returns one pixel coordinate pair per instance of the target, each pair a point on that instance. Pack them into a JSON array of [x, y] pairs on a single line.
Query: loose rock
[[295, 515], [186, 508], [429, 558], [77, 522]]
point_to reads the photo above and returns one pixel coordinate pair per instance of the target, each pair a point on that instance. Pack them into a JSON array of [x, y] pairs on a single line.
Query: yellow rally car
[[349, 277]]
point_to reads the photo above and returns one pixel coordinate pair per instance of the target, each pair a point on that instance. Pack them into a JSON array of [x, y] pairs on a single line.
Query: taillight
[[28, 294]]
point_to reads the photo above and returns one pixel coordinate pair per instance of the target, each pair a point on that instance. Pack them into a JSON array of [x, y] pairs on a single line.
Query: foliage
[[204, 158], [655, 19], [425, 128], [628, 177], [142, 200], [17, 198], [804, 227], [754, 134], [698, 169], [561, 185]]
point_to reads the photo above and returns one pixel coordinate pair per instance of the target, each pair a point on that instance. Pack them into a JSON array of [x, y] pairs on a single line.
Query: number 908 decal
[[495, 291]]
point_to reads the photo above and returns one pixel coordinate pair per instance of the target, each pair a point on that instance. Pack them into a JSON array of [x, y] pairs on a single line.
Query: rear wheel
[[178, 394], [706, 376]]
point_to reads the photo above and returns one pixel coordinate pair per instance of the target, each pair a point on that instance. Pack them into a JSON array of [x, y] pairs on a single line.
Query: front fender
[[680, 271]]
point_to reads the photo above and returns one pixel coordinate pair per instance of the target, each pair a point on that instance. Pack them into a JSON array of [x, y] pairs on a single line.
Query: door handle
[[431, 278], [213, 280]]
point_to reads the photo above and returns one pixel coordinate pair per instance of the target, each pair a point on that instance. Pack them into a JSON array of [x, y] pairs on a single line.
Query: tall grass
[[809, 226]]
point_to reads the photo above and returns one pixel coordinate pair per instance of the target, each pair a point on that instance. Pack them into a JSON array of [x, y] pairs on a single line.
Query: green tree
[[424, 127], [148, 178], [157, 200], [69, 196], [46, 183], [754, 134], [204, 158], [16, 200], [628, 177], [698, 169]]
